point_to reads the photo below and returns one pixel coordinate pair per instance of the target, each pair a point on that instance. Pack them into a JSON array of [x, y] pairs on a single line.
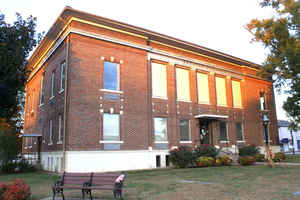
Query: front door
[[205, 135]]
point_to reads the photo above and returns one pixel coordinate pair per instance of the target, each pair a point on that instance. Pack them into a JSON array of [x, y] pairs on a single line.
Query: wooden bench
[[87, 182]]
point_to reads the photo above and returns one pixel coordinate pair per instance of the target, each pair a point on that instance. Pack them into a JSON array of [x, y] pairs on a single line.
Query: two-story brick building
[[104, 96]]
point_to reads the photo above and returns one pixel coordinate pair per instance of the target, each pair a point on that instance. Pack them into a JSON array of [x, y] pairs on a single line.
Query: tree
[[16, 42], [9, 145], [281, 35]]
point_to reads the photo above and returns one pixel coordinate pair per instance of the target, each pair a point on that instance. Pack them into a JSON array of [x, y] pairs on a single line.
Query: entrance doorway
[[205, 131]]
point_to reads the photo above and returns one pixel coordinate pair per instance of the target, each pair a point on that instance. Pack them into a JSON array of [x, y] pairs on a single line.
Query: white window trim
[[110, 142], [111, 91], [59, 142], [184, 100], [158, 97], [50, 143], [186, 142], [241, 141], [224, 141], [161, 142]]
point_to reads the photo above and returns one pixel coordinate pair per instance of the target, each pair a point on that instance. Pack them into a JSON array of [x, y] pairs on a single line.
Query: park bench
[[87, 182]]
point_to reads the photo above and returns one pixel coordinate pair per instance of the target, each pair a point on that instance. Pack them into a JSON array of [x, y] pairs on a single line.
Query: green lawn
[[251, 182], [292, 159]]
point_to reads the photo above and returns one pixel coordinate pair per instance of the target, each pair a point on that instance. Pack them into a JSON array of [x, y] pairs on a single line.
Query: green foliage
[[181, 157], [260, 157], [206, 150], [249, 150], [9, 145], [205, 161], [24, 166], [17, 41], [281, 35], [8, 168], [246, 160], [279, 156]]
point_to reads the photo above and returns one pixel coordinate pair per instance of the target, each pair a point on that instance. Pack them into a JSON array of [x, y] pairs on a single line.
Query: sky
[[215, 24]]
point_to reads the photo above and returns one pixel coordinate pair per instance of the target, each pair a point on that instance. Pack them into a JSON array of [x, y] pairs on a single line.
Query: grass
[[292, 159], [251, 182]]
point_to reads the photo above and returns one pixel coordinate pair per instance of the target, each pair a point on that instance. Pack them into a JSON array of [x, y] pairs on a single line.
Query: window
[[32, 101], [223, 130], [160, 129], [262, 101], [28, 103], [111, 127], [221, 91], [203, 90], [183, 84], [184, 126], [111, 76], [239, 131], [62, 75], [50, 132], [52, 84], [31, 141], [159, 80], [60, 136], [236, 94], [42, 91]]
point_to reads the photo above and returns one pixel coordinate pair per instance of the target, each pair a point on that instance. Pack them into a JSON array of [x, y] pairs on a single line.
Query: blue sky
[[218, 25]]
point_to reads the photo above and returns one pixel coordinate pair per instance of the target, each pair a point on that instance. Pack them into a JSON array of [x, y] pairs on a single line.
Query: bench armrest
[[87, 184], [59, 183]]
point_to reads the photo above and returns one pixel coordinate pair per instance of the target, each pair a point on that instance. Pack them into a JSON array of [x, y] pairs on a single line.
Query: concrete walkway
[[279, 163]]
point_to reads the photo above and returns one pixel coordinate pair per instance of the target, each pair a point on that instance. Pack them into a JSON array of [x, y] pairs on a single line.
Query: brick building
[[104, 95]]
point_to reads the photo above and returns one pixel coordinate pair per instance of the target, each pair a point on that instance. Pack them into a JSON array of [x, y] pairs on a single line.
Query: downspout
[[65, 103], [149, 97]]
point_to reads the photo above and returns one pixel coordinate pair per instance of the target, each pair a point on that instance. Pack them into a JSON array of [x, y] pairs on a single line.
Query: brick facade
[[86, 101]]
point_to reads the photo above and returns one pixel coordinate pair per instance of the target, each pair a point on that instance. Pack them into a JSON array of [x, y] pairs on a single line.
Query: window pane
[[223, 130], [262, 101], [184, 126], [159, 80], [62, 78], [111, 79], [28, 104], [236, 94], [203, 90], [42, 91], [183, 84], [52, 84], [111, 128], [60, 128], [221, 91], [50, 132], [239, 131], [160, 129]]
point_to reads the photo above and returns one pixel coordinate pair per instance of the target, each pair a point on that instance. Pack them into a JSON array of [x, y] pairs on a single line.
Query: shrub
[[246, 160], [279, 156], [249, 150], [3, 189], [181, 157], [9, 167], [260, 157], [24, 166], [18, 190], [226, 160], [206, 150], [204, 161], [218, 162]]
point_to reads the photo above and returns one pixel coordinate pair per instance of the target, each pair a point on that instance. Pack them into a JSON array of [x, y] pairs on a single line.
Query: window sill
[[59, 142], [161, 142], [41, 104], [222, 106], [205, 103], [51, 97], [111, 91], [241, 141], [224, 142], [30, 147], [238, 107], [50, 143], [25, 147], [61, 91], [185, 142], [34, 143], [182, 100], [110, 142], [157, 97]]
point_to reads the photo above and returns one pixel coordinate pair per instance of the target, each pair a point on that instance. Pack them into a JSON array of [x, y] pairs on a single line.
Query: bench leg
[[62, 194], [117, 194], [54, 193]]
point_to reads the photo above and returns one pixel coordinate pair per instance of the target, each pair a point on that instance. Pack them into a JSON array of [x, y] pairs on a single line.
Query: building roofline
[[69, 12]]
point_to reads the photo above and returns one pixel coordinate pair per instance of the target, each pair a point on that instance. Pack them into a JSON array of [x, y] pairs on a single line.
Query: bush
[[246, 160], [24, 166], [204, 161], [260, 157], [3, 189], [206, 150], [225, 160], [8, 168], [18, 190], [279, 156], [181, 157], [250, 150], [218, 162]]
